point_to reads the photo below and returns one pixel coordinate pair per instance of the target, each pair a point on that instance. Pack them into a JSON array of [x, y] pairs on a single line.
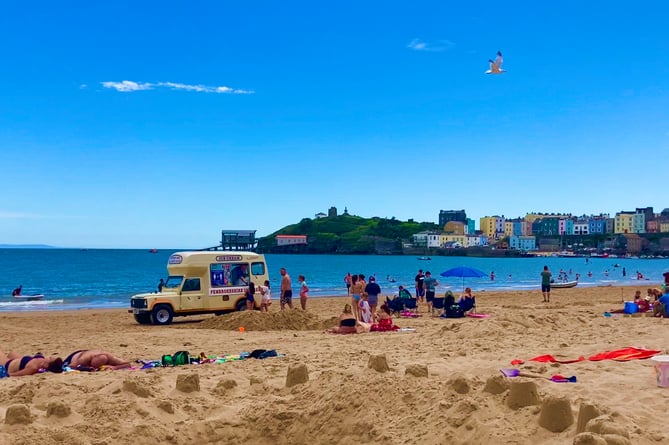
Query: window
[[191, 284], [173, 281], [258, 268], [229, 274]]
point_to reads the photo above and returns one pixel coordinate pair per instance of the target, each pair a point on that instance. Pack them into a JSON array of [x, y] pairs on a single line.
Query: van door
[[191, 294]]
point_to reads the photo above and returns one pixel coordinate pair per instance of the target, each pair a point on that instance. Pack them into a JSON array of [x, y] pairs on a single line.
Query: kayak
[[33, 297]]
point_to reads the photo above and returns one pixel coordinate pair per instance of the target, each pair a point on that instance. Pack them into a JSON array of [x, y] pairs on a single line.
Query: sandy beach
[[442, 383]]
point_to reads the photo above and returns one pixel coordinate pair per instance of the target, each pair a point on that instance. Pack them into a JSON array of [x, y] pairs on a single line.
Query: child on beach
[[250, 300], [365, 310], [266, 297], [304, 292]]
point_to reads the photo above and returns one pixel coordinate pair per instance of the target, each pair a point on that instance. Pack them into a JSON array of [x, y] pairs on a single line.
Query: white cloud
[[127, 86], [438, 45]]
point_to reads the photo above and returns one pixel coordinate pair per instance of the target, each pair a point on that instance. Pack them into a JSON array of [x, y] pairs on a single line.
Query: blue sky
[[258, 114]]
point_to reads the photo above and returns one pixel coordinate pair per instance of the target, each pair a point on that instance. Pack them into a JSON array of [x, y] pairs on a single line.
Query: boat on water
[[153, 250], [424, 258], [33, 297], [563, 284]]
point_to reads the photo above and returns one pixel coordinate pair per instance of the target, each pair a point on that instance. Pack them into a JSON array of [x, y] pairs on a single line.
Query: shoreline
[[40, 307]]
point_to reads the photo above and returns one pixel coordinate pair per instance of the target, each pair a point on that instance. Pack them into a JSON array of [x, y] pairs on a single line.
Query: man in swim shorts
[[546, 284], [286, 290], [420, 289], [429, 285]]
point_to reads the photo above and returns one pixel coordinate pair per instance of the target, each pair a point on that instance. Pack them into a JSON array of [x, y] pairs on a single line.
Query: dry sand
[[440, 384]]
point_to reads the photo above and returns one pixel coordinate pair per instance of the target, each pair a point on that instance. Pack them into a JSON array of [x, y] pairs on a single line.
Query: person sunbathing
[[17, 365], [94, 360], [347, 322]]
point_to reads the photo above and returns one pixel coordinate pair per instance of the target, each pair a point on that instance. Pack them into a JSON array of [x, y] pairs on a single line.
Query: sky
[[158, 124]]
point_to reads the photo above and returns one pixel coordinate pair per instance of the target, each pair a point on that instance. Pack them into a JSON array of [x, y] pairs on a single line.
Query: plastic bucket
[[662, 370], [631, 307]]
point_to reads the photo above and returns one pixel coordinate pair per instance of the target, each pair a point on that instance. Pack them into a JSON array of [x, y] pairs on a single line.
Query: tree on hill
[[346, 234]]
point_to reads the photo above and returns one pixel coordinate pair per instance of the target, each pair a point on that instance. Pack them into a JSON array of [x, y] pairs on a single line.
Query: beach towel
[[3, 372], [409, 314], [551, 359], [625, 354], [620, 355], [469, 314]]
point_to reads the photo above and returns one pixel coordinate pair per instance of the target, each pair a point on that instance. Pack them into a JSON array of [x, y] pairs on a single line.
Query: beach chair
[[396, 305], [438, 304], [410, 304], [468, 305]]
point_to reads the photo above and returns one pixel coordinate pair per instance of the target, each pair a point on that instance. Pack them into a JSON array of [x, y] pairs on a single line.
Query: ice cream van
[[202, 282]]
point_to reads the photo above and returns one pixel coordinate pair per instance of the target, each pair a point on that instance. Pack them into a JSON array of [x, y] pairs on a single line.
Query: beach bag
[[263, 353], [179, 358]]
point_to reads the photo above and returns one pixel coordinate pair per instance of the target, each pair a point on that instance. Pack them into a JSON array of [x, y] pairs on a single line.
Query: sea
[[107, 278]]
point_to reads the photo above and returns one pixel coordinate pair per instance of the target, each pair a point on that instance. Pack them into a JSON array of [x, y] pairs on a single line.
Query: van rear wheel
[[143, 318], [162, 314], [241, 305]]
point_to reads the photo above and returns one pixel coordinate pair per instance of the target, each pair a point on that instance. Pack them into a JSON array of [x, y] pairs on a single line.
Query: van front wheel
[[162, 314], [241, 305]]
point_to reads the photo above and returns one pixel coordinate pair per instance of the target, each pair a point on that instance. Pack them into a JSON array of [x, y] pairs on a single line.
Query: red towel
[[623, 355], [551, 359], [620, 355]]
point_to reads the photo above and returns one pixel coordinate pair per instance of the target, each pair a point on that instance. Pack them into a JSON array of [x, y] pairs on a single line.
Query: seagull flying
[[496, 65]]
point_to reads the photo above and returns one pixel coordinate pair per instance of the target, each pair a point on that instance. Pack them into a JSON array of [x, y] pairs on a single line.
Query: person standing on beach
[[161, 284], [266, 297], [304, 292], [546, 284], [429, 285], [372, 289], [286, 290], [348, 280], [420, 291]]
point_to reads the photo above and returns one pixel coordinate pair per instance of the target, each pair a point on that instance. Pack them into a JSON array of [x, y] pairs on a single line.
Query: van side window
[[191, 284], [229, 274], [258, 268]]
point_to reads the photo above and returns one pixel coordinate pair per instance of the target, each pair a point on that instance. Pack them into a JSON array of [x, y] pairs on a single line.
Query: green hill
[[347, 234]]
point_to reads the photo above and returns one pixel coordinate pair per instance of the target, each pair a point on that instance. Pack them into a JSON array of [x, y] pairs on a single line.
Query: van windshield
[[173, 281]]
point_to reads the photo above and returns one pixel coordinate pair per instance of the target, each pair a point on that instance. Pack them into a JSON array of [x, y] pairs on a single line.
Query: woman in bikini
[[94, 359], [17, 365], [357, 289], [347, 322]]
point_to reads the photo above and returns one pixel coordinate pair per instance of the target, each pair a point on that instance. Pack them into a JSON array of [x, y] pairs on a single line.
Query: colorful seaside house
[[523, 242]]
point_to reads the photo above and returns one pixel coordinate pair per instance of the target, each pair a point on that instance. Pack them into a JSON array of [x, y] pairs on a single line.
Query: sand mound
[[556, 414], [295, 319], [18, 414]]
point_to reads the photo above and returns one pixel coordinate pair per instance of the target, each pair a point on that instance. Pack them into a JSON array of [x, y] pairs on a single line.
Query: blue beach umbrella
[[464, 272]]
